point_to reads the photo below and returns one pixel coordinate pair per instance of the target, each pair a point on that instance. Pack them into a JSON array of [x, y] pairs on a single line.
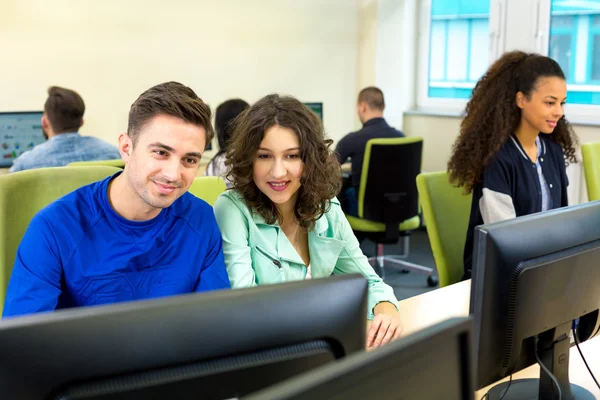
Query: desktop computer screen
[[317, 108], [433, 364], [533, 276], [215, 345], [20, 131]]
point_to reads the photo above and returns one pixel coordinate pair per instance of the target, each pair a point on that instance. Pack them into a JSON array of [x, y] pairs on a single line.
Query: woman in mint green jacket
[[281, 221]]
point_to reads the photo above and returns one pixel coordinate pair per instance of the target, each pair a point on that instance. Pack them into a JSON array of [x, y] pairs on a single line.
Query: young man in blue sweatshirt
[[135, 235]]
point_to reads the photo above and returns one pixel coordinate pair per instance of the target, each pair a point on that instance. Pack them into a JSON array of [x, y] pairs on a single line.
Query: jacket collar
[[324, 250], [539, 141], [321, 225], [374, 122], [61, 136]]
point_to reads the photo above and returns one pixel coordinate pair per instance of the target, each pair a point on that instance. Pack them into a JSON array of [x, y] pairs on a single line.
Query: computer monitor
[[317, 108], [532, 277], [216, 345], [433, 364], [20, 131]]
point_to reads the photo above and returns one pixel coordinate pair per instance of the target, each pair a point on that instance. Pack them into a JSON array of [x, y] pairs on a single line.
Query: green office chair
[[388, 204], [591, 167], [23, 194], [208, 188], [110, 163], [446, 210]]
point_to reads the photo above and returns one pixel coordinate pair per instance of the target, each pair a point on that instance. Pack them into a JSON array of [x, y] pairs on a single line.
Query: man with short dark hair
[[370, 106], [136, 235], [62, 118]]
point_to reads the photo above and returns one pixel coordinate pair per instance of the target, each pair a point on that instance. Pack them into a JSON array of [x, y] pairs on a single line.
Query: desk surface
[[453, 301]]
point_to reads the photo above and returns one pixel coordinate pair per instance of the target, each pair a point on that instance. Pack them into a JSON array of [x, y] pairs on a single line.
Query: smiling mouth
[[165, 189], [279, 186]]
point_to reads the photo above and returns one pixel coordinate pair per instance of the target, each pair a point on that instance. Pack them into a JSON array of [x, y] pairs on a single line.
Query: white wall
[[387, 54], [112, 50]]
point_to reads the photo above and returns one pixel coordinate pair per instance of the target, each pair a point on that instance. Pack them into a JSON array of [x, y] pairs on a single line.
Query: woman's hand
[[386, 326]]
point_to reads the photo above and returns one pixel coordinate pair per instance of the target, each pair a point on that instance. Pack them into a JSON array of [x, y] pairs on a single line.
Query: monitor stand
[[553, 350]]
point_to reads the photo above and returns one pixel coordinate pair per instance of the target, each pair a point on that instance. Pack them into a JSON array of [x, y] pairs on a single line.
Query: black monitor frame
[[435, 363], [212, 345], [532, 277]]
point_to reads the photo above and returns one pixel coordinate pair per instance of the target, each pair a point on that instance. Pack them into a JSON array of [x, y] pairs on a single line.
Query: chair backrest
[[23, 194], [387, 191], [208, 188], [110, 163], [446, 210], [591, 167]]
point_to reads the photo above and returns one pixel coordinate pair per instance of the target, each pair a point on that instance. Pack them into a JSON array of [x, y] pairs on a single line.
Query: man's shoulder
[[74, 210], [95, 140], [382, 130], [353, 134], [351, 139], [195, 212], [33, 157], [99, 147]]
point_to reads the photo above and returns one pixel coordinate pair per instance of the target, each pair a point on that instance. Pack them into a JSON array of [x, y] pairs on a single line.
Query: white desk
[[453, 301]]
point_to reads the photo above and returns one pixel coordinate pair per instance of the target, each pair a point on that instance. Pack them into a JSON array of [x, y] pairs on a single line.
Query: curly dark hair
[[492, 115], [321, 177]]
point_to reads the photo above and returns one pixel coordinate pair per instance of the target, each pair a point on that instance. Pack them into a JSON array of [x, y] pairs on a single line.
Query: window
[[575, 44], [459, 39], [458, 47]]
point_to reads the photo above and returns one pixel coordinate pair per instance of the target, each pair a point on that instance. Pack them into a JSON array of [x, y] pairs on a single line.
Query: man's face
[[163, 163]]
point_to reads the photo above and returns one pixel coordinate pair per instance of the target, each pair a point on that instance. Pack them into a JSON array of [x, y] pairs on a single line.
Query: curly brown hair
[[321, 177], [492, 115]]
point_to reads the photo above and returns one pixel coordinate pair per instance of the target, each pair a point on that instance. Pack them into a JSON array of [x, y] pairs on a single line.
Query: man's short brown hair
[[64, 109], [373, 96], [173, 99]]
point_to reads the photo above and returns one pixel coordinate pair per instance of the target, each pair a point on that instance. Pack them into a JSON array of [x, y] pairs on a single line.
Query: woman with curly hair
[[281, 221], [514, 143]]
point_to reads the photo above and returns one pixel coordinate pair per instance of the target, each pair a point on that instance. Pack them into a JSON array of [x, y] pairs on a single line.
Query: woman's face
[[278, 166], [544, 108]]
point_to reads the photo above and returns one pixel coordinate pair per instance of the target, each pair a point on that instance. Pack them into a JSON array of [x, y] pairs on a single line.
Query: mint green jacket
[[257, 253]]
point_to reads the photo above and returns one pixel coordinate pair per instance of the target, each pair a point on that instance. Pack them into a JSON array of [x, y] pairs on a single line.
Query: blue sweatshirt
[[78, 252]]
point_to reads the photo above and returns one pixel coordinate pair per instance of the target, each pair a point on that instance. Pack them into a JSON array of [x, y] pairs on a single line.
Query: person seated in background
[[370, 106], [224, 116], [62, 118], [513, 143], [281, 221], [135, 235]]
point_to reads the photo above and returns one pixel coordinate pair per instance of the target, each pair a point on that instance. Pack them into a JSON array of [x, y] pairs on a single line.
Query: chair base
[[379, 261]]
